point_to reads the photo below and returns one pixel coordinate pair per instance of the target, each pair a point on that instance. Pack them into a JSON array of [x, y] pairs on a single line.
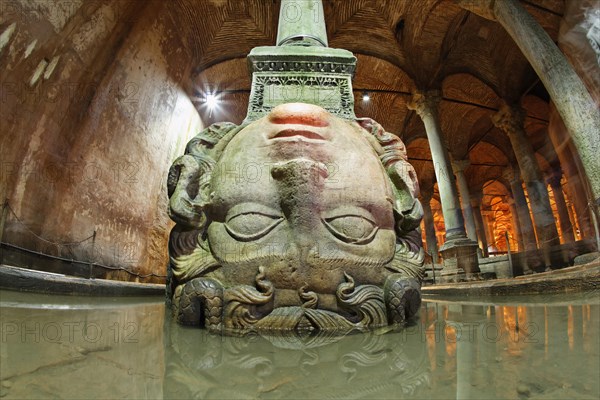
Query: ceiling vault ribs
[[449, 43], [532, 4]]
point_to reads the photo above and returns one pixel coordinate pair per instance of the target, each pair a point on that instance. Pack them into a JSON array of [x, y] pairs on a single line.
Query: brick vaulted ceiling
[[400, 45]]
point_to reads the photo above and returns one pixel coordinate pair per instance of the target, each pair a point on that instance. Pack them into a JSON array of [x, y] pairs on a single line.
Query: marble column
[[430, 237], [522, 210], [488, 225], [577, 230], [458, 251], [528, 234], [459, 167], [511, 121], [574, 187], [476, 198], [561, 206], [574, 103], [516, 224]]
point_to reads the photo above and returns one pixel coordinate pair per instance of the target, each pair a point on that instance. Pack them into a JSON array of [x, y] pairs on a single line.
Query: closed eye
[[350, 228], [249, 226]]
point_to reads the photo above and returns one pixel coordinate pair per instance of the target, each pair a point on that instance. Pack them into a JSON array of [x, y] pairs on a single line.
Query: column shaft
[[561, 206], [582, 211], [516, 224], [431, 238], [488, 225], [426, 107], [480, 229], [465, 197], [527, 232]]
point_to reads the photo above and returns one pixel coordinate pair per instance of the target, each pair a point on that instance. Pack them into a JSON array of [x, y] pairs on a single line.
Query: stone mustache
[[300, 221]]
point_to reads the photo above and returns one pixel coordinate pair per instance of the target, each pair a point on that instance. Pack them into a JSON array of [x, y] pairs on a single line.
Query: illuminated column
[[577, 230], [432, 244], [561, 206], [516, 223], [488, 225], [575, 105], [574, 188], [458, 251], [523, 215], [465, 197], [476, 198], [510, 120]]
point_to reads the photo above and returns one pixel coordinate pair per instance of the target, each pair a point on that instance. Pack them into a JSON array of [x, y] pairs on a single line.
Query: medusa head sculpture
[[299, 221]]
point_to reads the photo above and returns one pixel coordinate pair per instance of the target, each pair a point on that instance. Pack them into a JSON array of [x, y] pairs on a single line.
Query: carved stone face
[[292, 223], [303, 194]]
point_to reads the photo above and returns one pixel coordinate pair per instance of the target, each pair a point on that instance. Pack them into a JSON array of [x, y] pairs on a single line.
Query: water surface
[[544, 347]]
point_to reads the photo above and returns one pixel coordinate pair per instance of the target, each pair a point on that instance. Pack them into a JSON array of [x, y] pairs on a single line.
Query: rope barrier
[[80, 262], [44, 239], [87, 263]]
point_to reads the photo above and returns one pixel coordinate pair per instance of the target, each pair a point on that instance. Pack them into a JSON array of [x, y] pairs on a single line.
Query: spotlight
[[211, 100], [366, 97]]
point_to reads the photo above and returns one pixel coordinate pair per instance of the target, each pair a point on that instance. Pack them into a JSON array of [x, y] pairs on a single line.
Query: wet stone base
[[26, 280], [466, 277], [567, 280]]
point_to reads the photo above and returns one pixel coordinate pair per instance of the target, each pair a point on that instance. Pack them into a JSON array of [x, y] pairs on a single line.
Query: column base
[[479, 252], [464, 277], [460, 260]]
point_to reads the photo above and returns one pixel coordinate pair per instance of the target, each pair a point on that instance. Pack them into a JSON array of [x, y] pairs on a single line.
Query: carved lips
[[295, 133], [289, 122]]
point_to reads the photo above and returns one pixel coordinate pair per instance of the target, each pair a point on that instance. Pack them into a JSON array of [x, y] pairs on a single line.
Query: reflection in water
[[545, 350], [202, 365], [72, 347]]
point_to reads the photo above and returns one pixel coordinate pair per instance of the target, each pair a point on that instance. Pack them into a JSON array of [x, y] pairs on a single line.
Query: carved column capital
[[425, 103], [554, 177], [460, 165], [512, 175], [483, 8], [509, 119]]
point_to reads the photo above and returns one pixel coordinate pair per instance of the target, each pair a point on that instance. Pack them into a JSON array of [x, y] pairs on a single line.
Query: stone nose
[[300, 185], [299, 114]]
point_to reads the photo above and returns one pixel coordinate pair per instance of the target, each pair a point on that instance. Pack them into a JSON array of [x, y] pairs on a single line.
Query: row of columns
[[463, 219], [573, 102], [464, 226]]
